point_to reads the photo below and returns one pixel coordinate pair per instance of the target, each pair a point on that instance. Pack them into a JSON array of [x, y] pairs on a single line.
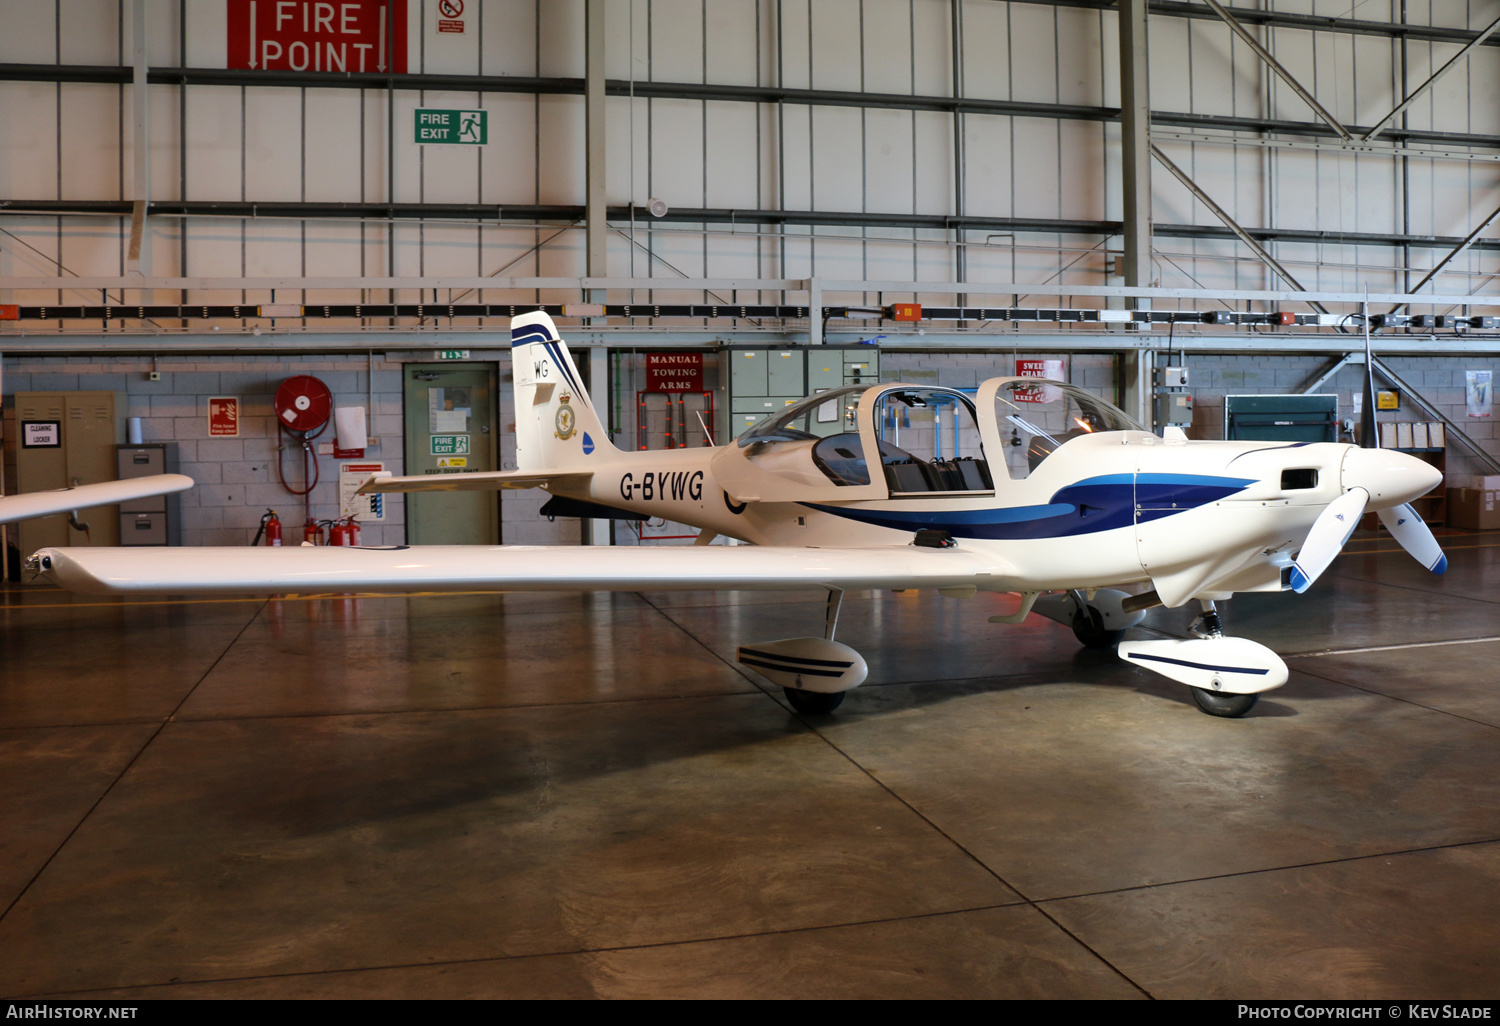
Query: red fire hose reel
[[303, 407]]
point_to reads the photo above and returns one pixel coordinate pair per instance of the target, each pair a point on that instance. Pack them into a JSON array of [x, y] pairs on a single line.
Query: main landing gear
[[813, 703], [813, 673], [1089, 629]]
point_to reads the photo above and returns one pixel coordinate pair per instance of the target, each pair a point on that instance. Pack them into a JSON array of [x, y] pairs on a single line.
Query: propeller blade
[[1415, 537], [1327, 537]]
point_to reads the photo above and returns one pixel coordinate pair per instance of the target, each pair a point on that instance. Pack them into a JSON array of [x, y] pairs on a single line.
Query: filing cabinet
[[154, 520]]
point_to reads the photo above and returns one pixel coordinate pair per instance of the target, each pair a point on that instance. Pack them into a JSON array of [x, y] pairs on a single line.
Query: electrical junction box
[[1172, 377], [1173, 408]]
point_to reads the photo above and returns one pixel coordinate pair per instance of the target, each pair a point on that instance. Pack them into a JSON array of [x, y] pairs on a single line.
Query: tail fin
[[556, 425]]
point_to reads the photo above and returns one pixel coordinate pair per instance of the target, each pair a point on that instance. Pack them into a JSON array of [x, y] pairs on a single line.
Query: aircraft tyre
[[1217, 704], [1088, 628], [814, 703]]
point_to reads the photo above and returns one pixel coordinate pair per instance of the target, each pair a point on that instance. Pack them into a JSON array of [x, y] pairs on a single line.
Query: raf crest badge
[[565, 423]]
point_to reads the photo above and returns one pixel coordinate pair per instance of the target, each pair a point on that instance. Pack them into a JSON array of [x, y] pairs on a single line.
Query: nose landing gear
[[1217, 703]]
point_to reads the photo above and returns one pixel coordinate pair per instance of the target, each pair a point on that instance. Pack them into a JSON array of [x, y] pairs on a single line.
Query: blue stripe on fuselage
[[1088, 507]]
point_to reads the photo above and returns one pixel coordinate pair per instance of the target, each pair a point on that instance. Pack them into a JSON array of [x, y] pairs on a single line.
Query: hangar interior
[[1172, 205]]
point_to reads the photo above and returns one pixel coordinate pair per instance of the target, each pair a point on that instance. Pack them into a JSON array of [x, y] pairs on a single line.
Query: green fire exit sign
[[458, 127]]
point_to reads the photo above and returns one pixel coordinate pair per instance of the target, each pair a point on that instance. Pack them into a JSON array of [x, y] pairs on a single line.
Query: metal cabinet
[[65, 439], [154, 520]]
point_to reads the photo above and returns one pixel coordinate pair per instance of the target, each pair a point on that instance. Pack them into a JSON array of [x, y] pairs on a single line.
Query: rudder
[[556, 424]]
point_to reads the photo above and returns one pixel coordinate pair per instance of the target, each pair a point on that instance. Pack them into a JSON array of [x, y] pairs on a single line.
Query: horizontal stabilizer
[[1236, 666], [105, 493], [486, 481], [338, 568]]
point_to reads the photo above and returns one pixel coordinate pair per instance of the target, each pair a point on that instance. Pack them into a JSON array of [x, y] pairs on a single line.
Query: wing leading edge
[[319, 569], [105, 493]]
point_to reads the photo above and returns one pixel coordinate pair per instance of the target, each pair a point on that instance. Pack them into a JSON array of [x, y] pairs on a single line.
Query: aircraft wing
[[106, 493], [486, 481], [319, 569]]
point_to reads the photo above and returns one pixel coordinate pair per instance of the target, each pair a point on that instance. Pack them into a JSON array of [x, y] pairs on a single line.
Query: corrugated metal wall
[[71, 141]]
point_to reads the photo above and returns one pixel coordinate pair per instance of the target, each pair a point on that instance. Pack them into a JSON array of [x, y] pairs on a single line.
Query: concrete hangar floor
[[572, 795]]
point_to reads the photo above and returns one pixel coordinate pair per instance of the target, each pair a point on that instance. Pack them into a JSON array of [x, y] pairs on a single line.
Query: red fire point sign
[[674, 372], [315, 35], [224, 416]]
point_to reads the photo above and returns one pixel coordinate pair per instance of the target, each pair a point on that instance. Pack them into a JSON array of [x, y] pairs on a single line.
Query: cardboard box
[[1485, 484], [1476, 509]]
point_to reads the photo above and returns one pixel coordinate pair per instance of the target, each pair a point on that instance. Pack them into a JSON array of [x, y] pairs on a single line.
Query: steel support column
[[599, 532], [960, 185], [1135, 142], [138, 260], [1135, 149], [596, 198], [814, 312]]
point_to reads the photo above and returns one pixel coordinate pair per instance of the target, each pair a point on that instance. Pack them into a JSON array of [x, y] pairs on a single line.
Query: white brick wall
[[237, 477], [1440, 380]]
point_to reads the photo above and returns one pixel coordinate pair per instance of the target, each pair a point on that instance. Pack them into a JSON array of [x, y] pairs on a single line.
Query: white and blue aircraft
[[1029, 486]]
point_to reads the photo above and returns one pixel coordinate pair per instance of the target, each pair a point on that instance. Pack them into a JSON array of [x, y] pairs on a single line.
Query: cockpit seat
[[841, 457], [910, 475]]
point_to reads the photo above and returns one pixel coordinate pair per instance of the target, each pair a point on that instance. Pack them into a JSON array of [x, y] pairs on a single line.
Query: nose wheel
[[1217, 703]]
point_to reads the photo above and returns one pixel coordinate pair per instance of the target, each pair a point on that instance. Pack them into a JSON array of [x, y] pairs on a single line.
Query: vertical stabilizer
[[556, 426]]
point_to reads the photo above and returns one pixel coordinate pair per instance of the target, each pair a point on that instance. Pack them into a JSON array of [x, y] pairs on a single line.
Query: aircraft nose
[[1390, 477]]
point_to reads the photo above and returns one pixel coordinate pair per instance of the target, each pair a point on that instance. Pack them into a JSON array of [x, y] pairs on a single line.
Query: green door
[[451, 428]]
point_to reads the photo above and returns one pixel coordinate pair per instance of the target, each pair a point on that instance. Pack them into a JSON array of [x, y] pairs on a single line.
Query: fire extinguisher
[[312, 532], [270, 529], [344, 532]]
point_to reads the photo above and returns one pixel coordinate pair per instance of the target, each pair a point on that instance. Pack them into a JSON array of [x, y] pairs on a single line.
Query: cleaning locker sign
[[315, 35]]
